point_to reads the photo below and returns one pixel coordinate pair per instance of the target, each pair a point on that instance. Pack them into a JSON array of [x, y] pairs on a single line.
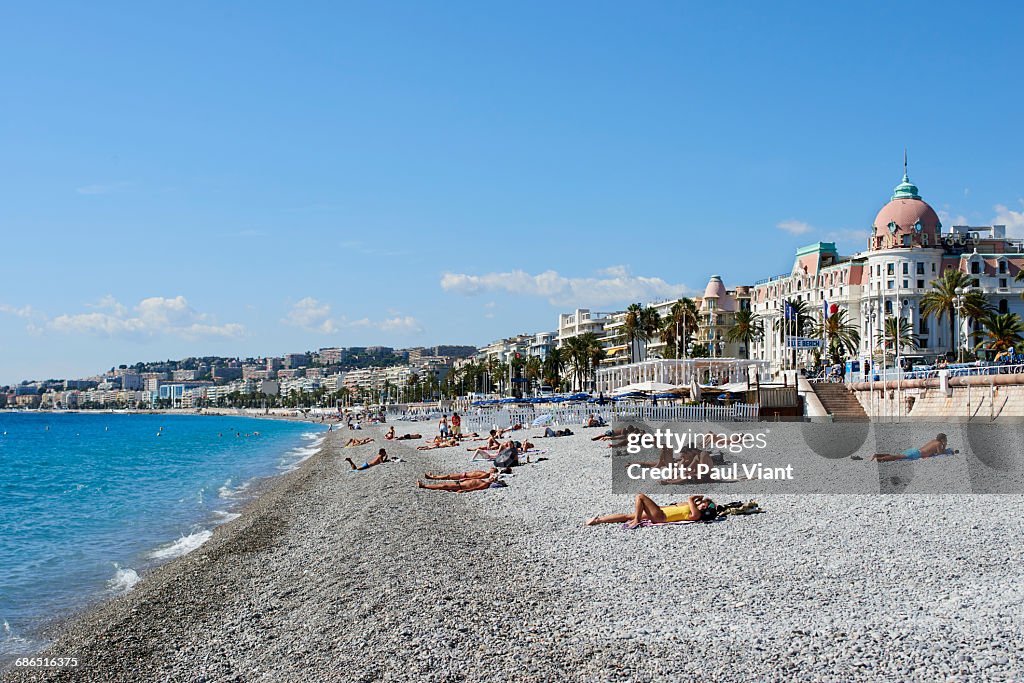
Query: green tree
[[631, 330], [679, 326], [554, 366], [897, 334], [746, 329], [841, 337], [1001, 332], [940, 300], [650, 325]]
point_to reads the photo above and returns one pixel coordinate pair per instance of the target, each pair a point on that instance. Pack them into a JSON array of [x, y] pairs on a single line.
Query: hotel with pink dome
[[906, 251]]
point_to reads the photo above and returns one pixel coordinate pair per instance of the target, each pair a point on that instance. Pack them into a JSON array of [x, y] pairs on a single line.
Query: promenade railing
[[484, 419], [955, 370]]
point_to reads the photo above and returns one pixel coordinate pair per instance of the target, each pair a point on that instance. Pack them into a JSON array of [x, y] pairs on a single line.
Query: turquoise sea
[[90, 501]]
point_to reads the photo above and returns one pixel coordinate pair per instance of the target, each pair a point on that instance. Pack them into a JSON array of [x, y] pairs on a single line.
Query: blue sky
[[258, 178]]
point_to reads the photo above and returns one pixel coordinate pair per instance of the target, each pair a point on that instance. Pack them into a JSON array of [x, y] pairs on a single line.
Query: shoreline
[[90, 619], [51, 628]]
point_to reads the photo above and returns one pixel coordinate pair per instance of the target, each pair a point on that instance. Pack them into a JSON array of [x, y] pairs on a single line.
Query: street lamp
[[958, 303]]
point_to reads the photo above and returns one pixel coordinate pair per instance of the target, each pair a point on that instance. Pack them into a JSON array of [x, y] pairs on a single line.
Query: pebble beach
[[332, 574]]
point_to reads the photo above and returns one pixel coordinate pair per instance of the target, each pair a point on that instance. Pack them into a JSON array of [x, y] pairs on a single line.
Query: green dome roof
[[906, 190]]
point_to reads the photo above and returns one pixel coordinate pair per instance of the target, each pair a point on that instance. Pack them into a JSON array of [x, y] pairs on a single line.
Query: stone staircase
[[840, 402]]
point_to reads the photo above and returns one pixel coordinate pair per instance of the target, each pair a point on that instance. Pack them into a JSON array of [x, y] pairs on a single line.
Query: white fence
[[482, 419]]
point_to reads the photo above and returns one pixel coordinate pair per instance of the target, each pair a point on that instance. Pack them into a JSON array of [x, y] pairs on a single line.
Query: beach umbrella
[[542, 420]]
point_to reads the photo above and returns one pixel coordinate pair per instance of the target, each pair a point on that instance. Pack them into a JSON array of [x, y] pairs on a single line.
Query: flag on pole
[[824, 310]]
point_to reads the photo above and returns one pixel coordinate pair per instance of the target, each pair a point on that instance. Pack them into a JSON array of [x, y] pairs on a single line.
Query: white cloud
[[310, 314], [22, 312], [614, 271], [151, 317], [948, 220], [1013, 220], [616, 286], [794, 227], [316, 316]]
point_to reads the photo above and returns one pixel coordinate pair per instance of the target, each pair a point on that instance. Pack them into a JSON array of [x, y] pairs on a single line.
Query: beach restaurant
[[681, 371]]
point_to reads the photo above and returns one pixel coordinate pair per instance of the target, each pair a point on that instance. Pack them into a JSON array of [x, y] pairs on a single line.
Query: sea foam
[[124, 579], [182, 546]]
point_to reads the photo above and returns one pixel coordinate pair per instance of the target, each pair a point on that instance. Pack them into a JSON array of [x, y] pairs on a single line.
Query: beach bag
[[508, 457]]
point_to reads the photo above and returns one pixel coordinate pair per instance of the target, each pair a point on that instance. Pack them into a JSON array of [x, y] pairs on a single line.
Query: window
[[920, 269], [888, 308], [975, 267], [1002, 267], [922, 325], [975, 283], [920, 284], [1004, 307], [890, 269], [906, 268], [890, 284], [906, 284], [1002, 282], [933, 267]]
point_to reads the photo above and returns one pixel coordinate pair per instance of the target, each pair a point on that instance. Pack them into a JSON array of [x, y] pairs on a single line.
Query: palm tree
[[941, 300], [631, 329], [579, 358], [594, 353], [746, 328], [841, 337], [897, 334], [798, 322], [1002, 332], [533, 369], [650, 324], [679, 326], [554, 365]]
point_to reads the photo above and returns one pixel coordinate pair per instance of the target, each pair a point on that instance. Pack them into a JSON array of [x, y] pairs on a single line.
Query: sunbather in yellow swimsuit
[[676, 513]]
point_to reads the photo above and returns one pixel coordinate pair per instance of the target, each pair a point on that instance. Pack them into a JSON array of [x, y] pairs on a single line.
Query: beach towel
[[647, 523]]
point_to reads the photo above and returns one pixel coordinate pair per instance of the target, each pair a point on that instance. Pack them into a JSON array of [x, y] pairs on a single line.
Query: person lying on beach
[[461, 485], [391, 433], [357, 442], [614, 434], [504, 430], [472, 474], [493, 442], [505, 449], [407, 437], [695, 509], [937, 446], [549, 432], [382, 456], [438, 442]]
